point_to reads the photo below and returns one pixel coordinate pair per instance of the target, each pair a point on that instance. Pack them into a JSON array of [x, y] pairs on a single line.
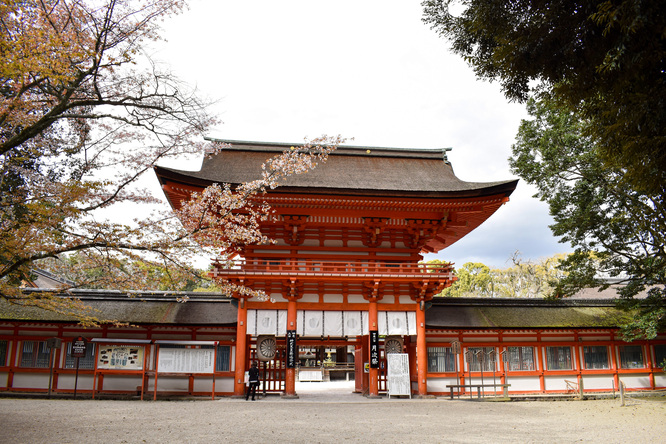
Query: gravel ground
[[333, 416]]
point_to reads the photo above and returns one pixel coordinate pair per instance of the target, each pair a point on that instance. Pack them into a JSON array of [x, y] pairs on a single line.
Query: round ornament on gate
[[266, 347], [393, 344]]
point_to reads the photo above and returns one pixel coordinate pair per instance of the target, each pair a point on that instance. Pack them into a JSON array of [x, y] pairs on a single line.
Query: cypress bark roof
[[524, 313], [349, 170], [134, 308], [445, 313]]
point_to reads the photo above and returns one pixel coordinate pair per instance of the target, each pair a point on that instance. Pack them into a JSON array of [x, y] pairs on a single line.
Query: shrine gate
[[346, 266]]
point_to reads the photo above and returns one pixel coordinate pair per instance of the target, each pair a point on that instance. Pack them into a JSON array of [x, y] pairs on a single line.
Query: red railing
[[301, 267]]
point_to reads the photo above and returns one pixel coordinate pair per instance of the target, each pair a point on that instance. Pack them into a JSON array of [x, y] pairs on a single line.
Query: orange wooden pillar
[[241, 348], [421, 351], [290, 375], [373, 373]]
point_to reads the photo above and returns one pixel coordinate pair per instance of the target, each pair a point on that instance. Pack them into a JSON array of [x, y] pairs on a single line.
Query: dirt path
[[315, 419]]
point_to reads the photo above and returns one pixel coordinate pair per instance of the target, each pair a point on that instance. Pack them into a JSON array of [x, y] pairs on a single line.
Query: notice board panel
[[120, 357], [397, 377], [186, 360]]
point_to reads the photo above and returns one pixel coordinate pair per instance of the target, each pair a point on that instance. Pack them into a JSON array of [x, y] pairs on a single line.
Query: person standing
[[253, 382]]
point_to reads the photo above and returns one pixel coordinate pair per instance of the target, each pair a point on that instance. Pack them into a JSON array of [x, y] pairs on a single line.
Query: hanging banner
[[374, 349], [292, 351]]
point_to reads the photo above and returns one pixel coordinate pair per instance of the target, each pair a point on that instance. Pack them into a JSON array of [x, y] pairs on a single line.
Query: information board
[[397, 378], [79, 348], [186, 360], [120, 357]]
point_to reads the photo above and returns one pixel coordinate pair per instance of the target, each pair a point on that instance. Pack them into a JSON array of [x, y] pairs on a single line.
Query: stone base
[[286, 396]]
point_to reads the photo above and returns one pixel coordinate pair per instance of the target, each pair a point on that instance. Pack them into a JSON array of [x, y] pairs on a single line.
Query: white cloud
[[369, 70]]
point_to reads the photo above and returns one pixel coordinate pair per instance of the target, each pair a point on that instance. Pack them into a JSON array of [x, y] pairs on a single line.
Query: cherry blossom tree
[[84, 113]]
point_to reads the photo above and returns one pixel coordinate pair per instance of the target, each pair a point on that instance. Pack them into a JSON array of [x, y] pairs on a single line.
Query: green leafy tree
[[525, 279], [474, 280], [617, 230], [605, 60], [529, 279]]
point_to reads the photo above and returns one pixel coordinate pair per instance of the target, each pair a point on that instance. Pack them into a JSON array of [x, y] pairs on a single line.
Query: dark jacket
[[254, 375]]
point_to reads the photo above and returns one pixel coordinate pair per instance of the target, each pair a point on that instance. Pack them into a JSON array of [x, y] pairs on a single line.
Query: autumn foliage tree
[[84, 113]]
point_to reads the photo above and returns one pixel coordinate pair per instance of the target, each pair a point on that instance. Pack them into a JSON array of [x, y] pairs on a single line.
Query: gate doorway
[[327, 365]]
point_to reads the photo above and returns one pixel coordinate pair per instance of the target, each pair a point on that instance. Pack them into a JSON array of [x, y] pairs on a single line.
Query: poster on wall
[[120, 357], [186, 360], [397, 378]]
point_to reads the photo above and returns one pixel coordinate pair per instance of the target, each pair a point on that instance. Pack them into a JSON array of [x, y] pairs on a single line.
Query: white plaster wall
[[660, 380], [224, 385], [597, 382], [439, 384], [67, 382], [309, 298], [557, 382], [31, 380], [638, 381], [123, 383], [168, 383], [333, 299], [524, 383], [3, 379], [204, 384], [356, 299], [405, 300]]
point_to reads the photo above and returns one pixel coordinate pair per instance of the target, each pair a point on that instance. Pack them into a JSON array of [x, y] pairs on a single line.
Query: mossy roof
[[521, 313], [135, 308], [216, 309]]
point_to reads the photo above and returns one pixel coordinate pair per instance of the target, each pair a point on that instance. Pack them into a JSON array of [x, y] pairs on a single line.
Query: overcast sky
[[368, 70]]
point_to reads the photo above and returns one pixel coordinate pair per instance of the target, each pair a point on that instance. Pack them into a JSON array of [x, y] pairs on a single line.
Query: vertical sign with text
[[79, 347], [374, 349], [292, 353]]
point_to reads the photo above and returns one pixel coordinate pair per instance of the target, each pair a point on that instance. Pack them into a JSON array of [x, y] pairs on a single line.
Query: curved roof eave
[[470, 189]]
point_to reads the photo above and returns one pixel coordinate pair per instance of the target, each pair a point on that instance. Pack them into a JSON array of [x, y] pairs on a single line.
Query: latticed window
[[441, 359], [631, 356], [223, 363], [3, 353], [521, 358], [558, 358], [85, 363], [35, 354], [596, 357], [481, 358], [660, 355]]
